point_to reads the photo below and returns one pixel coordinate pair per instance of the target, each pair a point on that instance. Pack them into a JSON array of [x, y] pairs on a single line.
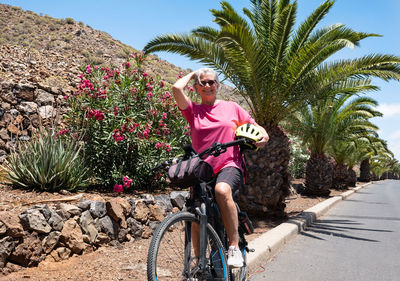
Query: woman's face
[[206, 91]]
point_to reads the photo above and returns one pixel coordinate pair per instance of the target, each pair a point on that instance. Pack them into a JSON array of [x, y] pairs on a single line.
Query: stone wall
[[57, 231], [32, 90]]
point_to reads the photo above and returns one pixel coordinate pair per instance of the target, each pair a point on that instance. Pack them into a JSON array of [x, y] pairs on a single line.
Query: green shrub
[[69, 20], [298, 158], [128, 122], [47, 163]]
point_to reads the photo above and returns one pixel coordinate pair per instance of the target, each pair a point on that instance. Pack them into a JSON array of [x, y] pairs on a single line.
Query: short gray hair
[[202, 71]]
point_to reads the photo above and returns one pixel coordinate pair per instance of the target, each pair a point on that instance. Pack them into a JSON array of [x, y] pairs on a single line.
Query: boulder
[[88, 226], [27, 107], [7, 245], [71, 235], [50, 241], [72, 209], [29, 252], [141, 211], [33, 219], [118, 208], [178, 198], [12, 224], [98, 209], [135, 227], [155, 213]]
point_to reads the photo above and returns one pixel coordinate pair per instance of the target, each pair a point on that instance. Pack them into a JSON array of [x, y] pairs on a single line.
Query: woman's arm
[[265, 138], [178, 90]]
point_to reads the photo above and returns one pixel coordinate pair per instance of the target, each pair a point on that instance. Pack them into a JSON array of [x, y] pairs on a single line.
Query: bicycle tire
[[159, 268]]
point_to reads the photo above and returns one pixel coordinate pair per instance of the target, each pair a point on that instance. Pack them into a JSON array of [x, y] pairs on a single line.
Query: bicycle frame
[[203, 205]]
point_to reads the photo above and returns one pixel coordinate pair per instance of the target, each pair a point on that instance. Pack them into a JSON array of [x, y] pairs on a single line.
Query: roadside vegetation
[[123, 121], [279, 70]]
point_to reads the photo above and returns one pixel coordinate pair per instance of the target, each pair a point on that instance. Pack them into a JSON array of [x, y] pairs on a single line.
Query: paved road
[[357, 240]]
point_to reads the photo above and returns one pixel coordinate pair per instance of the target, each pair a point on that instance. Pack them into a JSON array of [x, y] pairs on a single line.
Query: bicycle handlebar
[[215, 150]]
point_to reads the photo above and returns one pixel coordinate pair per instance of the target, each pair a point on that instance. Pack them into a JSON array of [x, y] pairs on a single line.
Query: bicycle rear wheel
[[171, 255]]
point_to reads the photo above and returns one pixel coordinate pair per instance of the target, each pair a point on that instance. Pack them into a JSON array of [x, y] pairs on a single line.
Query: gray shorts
[[233, 177]]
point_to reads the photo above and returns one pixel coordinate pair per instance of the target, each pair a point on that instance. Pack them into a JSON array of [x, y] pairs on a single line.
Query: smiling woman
[[215, 121]]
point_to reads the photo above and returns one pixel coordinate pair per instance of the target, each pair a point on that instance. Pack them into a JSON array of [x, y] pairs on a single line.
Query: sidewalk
[[269, 244]]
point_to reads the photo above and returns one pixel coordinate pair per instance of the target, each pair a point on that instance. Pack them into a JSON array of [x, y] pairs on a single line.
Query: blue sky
[[137, 22]]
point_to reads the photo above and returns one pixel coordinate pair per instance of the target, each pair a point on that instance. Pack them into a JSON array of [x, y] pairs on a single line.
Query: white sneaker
[[235, 258]]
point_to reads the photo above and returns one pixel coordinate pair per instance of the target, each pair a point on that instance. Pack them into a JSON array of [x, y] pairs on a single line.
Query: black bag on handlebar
[[190, 172]]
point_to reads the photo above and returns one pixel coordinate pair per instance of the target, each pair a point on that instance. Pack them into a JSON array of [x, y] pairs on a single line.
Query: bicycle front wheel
[[171, 255]]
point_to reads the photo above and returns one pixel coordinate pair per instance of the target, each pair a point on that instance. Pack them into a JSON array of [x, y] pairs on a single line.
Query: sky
[[135, 23]]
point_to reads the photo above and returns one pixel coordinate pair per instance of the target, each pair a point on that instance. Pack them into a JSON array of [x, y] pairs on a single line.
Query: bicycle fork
[[203, 235]]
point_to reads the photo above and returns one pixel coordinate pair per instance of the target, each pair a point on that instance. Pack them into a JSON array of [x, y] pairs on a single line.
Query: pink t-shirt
[[217, 123]]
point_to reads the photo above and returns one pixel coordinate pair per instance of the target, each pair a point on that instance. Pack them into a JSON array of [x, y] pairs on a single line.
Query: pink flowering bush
[[128, 122]]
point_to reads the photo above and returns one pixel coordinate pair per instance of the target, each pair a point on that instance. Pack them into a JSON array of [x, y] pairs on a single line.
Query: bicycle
[[171, 256]]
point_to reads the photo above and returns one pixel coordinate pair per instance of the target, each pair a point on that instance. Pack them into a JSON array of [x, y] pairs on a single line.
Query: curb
[[269, 244]]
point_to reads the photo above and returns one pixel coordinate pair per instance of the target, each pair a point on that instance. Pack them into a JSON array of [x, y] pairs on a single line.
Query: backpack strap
[[188, 166], [178, 168]]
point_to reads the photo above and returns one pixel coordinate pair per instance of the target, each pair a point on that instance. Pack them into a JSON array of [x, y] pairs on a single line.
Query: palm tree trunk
[[351, 177], [319, 172], [340, 175], [268, 177], [365, 173]]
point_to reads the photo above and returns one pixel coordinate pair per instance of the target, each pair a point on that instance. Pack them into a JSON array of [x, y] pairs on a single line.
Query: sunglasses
[[209, 82]]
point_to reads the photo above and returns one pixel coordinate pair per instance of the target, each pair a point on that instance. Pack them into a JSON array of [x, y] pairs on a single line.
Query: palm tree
[[367, 149], [330, 125], [276, 69], [381, 163], [354, 125], [342, 176]]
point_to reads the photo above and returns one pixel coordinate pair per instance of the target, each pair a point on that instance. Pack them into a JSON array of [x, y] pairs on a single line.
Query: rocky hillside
[[70, 43], [40, 60], [63, 45]]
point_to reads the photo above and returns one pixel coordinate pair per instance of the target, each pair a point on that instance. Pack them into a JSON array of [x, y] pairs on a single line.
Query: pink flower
[[89, 69], [62, 132], [146, 133], [159, 145], [144, 74], [161, 84], [168, 148], [90, 113], [167, 95], [127, 182], [149, 87], [150, 94], [127, 65], [133, 127], [190, 89], [117, 135], [99, 115], [65, 97], [118, 188], [116, 111], [164, 116]]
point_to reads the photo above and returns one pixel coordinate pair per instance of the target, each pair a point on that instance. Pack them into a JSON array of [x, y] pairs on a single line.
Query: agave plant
[[47, 163], [277, 69]]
